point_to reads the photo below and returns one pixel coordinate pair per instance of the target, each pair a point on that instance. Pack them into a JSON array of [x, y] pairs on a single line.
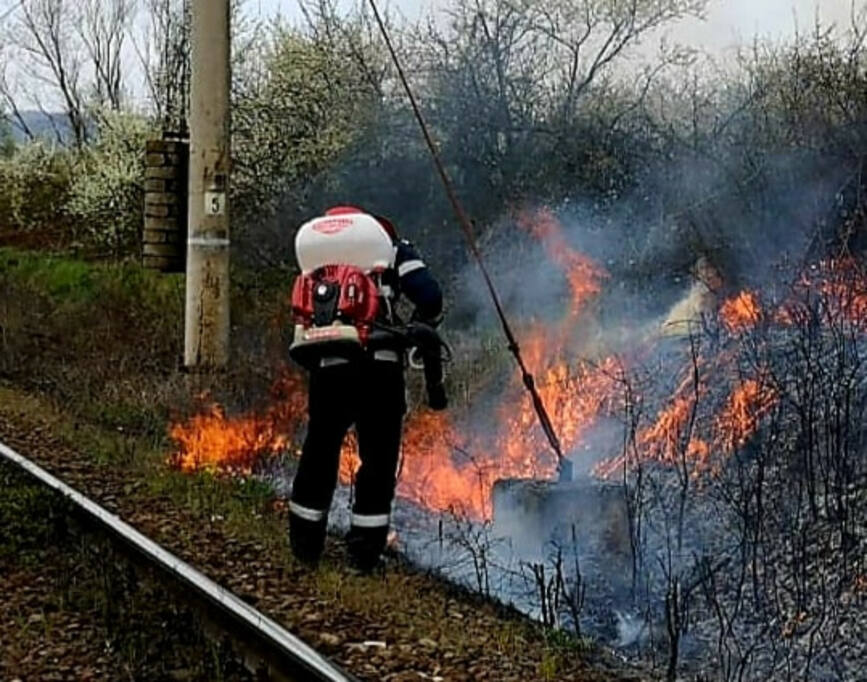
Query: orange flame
[[844, 285], [741, 313], [213, 442], [739, 419], [672, 439], [429, 475], [574, 396], [584, 276], [445, 466], [838, 290]]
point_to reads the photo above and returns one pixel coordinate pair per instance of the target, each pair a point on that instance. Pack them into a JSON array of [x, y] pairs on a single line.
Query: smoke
[[758, 233], [632, 630], [758, 191], [753, 232]]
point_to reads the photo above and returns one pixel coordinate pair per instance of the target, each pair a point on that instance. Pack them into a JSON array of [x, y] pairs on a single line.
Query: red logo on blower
[[332, 225]]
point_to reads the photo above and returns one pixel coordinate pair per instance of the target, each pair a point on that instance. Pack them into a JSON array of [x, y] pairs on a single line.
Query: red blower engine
[[335, 307]]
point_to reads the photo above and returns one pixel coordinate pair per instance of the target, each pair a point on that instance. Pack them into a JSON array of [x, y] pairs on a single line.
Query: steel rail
[[287, 657]]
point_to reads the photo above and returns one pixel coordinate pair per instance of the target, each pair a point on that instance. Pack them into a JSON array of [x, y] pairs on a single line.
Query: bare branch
[[103, 27]]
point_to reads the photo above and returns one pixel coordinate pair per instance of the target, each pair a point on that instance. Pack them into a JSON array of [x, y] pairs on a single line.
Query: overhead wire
[[467, 228]]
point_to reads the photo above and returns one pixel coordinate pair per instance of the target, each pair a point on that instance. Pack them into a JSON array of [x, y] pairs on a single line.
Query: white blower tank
[[356, 239]]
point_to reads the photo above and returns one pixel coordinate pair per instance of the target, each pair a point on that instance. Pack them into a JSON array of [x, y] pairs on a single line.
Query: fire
[[441, 471], [670, 439], [574, 396], [429, 475], [349, 459], [442, 467], [741, 313], [739, 420], [844, 286], [213, 442], [675, 437], [447, 466], [584, 276], [680, 435]]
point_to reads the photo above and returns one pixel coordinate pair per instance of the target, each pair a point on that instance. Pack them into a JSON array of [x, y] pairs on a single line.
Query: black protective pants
[[371, 395]]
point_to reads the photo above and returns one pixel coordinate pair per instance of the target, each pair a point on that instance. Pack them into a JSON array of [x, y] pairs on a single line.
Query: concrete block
[[161, 250], [152, 160], [162, 263], [161, 173], [155, 186], [155, 236], [157, 211], [163, 147], [169, 186], [161, 199], [161, 223]]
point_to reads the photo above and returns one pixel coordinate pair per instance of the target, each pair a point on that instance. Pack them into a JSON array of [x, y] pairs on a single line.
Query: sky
[[729, 22]]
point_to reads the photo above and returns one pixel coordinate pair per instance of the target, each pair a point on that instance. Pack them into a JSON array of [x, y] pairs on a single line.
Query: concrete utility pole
[[206, 343]]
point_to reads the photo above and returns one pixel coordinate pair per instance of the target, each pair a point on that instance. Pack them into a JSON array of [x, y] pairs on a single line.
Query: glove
[[436, 396], [430, 345]]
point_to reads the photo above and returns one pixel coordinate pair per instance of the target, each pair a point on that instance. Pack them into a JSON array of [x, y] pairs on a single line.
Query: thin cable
[[466, 226]]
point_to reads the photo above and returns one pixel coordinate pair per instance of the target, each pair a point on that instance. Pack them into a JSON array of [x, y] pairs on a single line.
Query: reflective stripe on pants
[[370, 520], [306, 513]]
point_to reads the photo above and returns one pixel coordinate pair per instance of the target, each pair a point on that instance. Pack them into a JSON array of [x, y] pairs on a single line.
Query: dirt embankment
[[396, 625], [75, 609]]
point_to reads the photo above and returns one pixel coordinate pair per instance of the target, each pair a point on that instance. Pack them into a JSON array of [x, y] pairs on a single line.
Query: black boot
[[365, 546], [306, 539]]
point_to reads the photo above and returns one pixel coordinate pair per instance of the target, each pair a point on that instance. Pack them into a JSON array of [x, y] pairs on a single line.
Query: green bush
[[35, 181], [89, 198], [7, 142], [294, 112], [106, 197]]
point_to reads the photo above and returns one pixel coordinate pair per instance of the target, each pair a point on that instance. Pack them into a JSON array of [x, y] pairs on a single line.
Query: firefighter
[[366, 390]]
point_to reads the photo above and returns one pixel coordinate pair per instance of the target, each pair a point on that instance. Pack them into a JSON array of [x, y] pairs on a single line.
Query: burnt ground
[[393, 626]]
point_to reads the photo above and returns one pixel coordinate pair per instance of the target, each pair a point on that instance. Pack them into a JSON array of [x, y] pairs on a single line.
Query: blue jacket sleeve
[[418, 284]]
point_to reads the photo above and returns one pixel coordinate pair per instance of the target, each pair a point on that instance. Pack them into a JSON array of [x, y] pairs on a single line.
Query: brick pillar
[[164, 239]]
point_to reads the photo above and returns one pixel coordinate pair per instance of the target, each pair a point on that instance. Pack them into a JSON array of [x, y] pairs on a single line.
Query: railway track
[[268, 650]]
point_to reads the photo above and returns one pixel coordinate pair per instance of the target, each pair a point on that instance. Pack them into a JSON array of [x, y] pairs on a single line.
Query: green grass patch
[[71, 281], [140, 419]]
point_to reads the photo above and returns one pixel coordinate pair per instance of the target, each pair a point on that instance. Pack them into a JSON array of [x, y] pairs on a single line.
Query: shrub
[[7, 142], [89, 198], [34, 186], [295, 110], [107, 191]]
